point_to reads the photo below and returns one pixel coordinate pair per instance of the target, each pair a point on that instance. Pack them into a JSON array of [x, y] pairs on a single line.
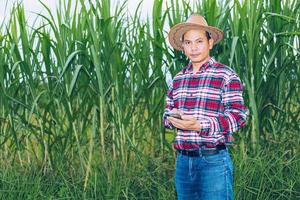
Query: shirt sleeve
[[235, 112], [169, 107]]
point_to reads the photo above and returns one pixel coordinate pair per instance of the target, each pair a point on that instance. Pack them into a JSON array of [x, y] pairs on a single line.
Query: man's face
[[196, 45]]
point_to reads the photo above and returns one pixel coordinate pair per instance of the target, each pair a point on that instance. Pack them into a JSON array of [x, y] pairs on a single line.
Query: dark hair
[[208, 35]]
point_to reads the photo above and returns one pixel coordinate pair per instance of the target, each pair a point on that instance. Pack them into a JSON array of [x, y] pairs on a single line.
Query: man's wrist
[[197, 126]]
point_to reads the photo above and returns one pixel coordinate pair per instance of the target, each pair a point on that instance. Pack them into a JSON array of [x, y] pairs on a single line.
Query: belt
[[202, 151]]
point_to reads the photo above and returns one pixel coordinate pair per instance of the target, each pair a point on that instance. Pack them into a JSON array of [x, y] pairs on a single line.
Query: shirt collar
[[204, 67]]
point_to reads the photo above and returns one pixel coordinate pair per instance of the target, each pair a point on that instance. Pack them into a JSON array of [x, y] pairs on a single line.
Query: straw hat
[[193, 22]]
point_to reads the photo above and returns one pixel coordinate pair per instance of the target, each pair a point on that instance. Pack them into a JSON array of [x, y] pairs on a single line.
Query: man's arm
[[235, 112], [169, 107]]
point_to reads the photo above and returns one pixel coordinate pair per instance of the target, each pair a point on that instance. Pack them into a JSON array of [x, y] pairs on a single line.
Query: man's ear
[[211, 43]]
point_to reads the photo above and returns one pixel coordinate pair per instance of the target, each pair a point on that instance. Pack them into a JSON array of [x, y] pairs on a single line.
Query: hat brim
[[176, 33]]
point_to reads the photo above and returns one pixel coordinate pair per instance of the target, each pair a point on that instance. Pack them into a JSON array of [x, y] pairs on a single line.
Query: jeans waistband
[[201, 151]]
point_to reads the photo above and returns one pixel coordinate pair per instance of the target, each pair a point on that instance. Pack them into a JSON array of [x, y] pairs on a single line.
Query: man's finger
[[188, 117], [176, 122], [175, 110]]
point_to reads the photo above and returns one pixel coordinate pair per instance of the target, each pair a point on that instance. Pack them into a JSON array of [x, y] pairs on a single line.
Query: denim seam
[[228, 172], [226, 177], [190, 167]]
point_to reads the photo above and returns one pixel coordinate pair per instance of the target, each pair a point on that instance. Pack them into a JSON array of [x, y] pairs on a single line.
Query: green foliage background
[[82, 97]]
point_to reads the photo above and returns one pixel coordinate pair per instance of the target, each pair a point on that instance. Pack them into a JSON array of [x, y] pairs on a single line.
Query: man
[[207, 98]]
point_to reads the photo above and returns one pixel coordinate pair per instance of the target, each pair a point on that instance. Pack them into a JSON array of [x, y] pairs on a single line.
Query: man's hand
[[186, 123]]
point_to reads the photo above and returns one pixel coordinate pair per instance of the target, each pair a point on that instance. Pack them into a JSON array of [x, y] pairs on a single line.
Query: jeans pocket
[[213, 159], [229, 164], [180, 162]]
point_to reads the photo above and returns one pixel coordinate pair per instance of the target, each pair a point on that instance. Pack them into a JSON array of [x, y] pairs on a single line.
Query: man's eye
[[199, 41], [186, 42]]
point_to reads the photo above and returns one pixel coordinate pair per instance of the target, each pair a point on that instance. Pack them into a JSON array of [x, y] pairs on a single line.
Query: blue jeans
[[204, 177]]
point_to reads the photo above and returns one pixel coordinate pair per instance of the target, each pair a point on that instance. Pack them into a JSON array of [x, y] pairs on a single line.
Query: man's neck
[[197, 65]]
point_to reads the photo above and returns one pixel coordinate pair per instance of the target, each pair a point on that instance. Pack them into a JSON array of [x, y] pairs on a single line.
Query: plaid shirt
[[214, 96]]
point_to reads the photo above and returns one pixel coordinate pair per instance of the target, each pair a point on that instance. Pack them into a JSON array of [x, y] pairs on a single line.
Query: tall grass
[[82, 95]]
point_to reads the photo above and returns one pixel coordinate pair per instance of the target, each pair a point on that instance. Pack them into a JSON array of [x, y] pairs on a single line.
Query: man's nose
[[195, 46]]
